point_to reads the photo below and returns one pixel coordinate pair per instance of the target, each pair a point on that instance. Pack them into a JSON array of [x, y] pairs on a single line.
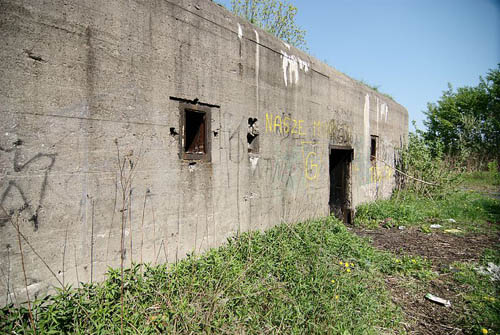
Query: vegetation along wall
[[162, 128]]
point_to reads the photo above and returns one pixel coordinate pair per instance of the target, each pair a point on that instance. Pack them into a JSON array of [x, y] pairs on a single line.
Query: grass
[[485, 181], [309, 278], [481, 295], [478, 303], [315, 277], [466, 210]]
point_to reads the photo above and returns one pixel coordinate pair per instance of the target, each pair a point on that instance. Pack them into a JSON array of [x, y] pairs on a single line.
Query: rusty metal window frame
[[184, 110]]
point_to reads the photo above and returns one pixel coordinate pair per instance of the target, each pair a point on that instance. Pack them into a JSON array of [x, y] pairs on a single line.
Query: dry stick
[[407, 175], [25, 278], [130, 222], [92, 244], [122, 230], [38, 255], [8, 274], [126, 184], [6, 279], [112, 220], [76, 267], [158, 254], [64, 253], [142, 224], [121, 259], [154, 227]]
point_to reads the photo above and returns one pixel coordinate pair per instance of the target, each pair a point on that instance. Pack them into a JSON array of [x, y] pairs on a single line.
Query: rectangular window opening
[[194, 142], [195, 131], [373, 148]]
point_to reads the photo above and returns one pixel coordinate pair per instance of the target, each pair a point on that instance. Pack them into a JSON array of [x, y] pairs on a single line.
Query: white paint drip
[[240, 32], [291, 66], [254, 161], [366, 123], [382, 111], [257, 67]]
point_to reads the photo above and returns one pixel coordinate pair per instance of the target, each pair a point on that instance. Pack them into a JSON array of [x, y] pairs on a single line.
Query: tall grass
[[469, 210], [308, 278]]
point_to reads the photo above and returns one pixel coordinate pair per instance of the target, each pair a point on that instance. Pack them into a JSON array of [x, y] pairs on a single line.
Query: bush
[[423, 169]]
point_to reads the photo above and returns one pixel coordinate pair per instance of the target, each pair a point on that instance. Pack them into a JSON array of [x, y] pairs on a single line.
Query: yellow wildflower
[[348, 270], [341, 263], [352, 264], [333, 281], [346, 265], [484, 331], [337, 297]]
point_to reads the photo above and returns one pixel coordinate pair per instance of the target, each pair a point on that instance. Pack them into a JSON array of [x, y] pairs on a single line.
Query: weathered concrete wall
[[86, 85]]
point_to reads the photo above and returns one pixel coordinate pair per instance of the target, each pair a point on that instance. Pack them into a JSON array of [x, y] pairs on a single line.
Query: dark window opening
[[195, 131], [373, 149], [252, 136], [194, 142]]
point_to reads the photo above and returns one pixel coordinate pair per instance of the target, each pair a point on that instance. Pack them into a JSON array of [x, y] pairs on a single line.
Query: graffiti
[[312, 160], [282, 171], [311, 167], [380, 174], [236, 145], [338, 132], [284, 125], [14, 198]]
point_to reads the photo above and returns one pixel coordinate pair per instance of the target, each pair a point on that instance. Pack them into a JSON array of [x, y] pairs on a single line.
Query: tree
[[467, 121], [274, 16]]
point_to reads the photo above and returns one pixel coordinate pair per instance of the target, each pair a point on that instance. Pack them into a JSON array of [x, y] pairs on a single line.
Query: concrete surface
[[91, 138]]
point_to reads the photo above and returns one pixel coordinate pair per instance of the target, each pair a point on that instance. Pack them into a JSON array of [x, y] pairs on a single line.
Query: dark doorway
[[340, 181]]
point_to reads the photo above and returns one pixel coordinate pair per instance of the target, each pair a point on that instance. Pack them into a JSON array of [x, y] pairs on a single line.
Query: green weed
[[482, 300], [467, 210], [309, 278]]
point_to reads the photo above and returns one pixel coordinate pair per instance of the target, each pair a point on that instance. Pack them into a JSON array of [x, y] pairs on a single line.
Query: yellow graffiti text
[[380, 174], [284, 125]]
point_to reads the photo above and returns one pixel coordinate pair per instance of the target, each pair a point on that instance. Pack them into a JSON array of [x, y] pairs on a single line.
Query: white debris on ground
[[491, 270], [438, 300], [453, 231], [435, 226], [452, 220]]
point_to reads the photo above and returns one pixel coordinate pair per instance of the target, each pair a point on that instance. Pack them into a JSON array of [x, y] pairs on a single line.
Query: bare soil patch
[[425, 317]]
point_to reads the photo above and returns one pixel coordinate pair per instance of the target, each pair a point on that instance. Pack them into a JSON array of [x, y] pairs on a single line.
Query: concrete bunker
[[235, 135]]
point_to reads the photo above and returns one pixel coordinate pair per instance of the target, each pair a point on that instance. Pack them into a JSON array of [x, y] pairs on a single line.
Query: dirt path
[[442, 249]]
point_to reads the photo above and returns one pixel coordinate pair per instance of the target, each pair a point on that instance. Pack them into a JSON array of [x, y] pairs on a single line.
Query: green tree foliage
[[466, 122], [275, 16]]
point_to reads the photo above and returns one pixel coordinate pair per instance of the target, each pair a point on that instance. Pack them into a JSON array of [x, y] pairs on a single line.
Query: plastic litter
[[435, 226], [453, 231], [491, 270], [438, 300]]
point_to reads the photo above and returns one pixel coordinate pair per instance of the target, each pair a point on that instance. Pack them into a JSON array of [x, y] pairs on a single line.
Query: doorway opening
[[340, 183]]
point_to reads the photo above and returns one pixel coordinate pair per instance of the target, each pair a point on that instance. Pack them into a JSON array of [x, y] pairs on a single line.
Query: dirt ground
[[423, 316]]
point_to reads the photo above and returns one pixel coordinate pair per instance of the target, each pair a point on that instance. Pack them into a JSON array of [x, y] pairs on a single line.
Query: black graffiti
[[32, 209]]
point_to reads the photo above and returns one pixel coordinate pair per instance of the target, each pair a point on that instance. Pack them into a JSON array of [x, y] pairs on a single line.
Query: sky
[[409, 49]]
